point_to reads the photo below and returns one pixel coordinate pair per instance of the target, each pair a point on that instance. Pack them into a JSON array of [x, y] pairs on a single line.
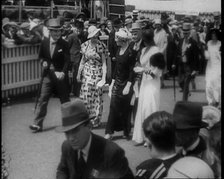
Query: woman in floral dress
[[92, 74]]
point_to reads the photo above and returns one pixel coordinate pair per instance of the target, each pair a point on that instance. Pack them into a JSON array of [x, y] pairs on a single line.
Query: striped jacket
[[155, 168]]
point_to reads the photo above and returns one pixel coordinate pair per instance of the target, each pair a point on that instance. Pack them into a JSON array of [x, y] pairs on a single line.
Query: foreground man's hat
[[74, 114], [188, 115]]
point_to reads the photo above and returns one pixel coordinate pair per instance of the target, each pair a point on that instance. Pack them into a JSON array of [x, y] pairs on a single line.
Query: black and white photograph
[[111, 89]]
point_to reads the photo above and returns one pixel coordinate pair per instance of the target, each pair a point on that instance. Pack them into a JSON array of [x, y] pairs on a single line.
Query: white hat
[[190, 167], [211, 115], [92, 31], [123, 34], [157, 21]]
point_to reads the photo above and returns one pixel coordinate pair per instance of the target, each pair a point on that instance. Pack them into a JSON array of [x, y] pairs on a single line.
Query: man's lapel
[[56, 49], [95, 157], [48, 48]]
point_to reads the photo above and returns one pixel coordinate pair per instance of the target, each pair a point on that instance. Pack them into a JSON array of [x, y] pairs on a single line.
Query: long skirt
[[119, 115], [90, 94]]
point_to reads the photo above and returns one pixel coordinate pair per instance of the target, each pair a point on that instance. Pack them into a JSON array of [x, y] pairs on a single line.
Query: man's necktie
[[52, 48], [81, 164]]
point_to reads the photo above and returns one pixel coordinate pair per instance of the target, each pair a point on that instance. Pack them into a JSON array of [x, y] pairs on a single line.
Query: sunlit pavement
[[36, 156]]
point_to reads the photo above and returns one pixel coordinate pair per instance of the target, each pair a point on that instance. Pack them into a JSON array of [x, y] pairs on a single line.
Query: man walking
[[54, 57], [188, 60]]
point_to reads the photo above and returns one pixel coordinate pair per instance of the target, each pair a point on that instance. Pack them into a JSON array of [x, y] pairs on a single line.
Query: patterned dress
[[91, 74]]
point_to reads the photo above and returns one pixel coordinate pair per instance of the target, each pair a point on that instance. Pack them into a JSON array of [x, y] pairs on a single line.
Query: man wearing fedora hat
[[54, 57], [188, 120], [187, 59], [85, 154]]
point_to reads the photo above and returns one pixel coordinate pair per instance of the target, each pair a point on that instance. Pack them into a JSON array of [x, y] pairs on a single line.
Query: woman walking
[[213, 70], [120, 88], [152, 62], [92, 74]]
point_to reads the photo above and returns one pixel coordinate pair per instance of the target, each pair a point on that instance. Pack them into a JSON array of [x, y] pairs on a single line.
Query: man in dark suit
[[84, 154], [75, 40], [54, 57], [188, 60]]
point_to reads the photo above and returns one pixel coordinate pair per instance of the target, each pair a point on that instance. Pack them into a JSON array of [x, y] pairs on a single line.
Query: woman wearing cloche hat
[[92, 74]]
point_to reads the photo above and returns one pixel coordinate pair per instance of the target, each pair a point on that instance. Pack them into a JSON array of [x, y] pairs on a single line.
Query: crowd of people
[[143, 55]]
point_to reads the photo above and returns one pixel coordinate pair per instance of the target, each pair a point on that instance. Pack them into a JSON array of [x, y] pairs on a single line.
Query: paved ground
[[36, 156]]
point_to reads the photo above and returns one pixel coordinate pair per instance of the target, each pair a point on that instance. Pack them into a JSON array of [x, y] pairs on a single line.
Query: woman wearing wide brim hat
[[8, 24], [92, 74]]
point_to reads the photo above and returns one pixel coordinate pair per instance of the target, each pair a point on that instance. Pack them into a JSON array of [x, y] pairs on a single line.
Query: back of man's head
[[159, 128]]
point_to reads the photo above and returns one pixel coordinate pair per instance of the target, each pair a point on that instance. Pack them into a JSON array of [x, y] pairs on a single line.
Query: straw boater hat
[[74, 114], [54, 24], [92, 31]]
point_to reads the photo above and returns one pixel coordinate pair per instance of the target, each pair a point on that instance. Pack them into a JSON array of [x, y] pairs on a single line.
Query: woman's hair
[[214, 31], [148, 36], [159, 128], [157, 60]]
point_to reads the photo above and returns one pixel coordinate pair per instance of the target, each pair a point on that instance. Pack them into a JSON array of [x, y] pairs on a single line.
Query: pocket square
[[60, 50]]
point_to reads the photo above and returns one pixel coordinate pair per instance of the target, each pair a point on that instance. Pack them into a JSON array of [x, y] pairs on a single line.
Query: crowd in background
[[143, 54]]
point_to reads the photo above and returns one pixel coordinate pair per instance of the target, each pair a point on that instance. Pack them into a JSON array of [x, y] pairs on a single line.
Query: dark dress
[[120, 104]]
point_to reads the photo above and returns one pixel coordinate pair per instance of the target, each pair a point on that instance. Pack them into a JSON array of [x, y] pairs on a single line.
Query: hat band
[[69, 121]]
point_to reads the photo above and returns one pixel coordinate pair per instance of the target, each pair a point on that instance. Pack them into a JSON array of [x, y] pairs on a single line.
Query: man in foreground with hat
[[84, 154], [54, 57], [188, 120], [187, 59]]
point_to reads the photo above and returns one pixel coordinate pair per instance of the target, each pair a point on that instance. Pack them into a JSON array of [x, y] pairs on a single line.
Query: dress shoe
[[108, 136], [35, 128]]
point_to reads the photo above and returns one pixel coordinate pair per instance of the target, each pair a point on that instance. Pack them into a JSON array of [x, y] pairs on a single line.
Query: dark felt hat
[[188, 115], [74, 113], [117, 22]]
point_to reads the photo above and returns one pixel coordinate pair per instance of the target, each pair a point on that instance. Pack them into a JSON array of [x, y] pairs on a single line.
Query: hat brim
[[55, 28], [135, 30], [93, 33], [61, 129]]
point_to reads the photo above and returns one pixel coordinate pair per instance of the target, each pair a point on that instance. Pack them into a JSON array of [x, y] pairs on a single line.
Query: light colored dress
[[213, 73], [149, 94]]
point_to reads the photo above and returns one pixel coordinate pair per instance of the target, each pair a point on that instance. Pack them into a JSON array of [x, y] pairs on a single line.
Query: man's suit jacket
[[105, 160], [112, 45], [74, 47], [60, 58], [192, 54]]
